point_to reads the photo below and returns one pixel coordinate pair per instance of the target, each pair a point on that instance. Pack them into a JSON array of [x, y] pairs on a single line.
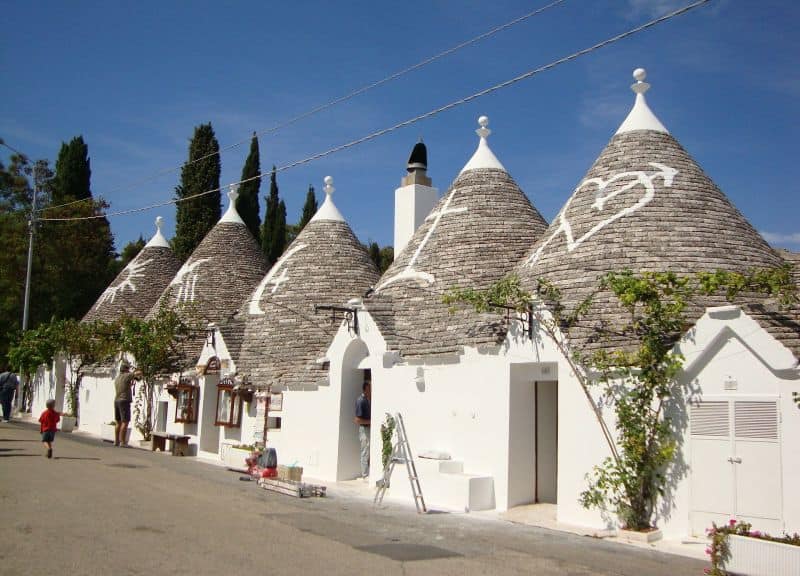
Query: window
[[229, 404], [186, 398]]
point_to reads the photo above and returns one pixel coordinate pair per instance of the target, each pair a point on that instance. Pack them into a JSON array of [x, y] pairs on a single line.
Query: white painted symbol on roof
[[186, 280], [134, 270], [255, 300], [666, 173], [409, 273], [279, 280]]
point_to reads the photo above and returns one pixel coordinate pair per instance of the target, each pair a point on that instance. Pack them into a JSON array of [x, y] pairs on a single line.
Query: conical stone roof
[[283, 336], [474, 235], [218, 276], [644, 205], [138, 286]]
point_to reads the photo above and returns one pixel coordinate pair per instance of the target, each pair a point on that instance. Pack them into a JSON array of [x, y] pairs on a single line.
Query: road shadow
[[73, 458], [12, 440], [17, 455]]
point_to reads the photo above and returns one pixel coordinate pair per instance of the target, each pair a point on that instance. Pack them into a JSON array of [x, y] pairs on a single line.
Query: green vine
[[639, 378], [387, 433]]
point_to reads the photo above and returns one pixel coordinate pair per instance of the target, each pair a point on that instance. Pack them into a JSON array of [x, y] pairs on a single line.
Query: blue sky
[[136, 78]]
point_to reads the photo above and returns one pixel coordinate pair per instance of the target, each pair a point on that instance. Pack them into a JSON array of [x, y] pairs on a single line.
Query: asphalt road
[[95, 509]]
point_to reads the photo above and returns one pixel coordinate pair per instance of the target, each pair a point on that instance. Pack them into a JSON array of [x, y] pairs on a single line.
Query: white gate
[[735, 463]]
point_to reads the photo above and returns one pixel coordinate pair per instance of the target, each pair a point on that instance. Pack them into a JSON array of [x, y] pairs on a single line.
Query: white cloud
[[781, 239], [653, 8]]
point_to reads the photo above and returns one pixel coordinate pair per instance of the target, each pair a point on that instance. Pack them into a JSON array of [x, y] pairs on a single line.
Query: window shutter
[[710, 419], [756, 420]]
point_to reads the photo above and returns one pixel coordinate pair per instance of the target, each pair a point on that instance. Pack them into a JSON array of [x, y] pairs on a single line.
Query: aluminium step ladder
[[401, 454]]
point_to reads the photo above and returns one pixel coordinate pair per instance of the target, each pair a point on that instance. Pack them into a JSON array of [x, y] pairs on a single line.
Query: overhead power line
[[14, 150], [338, 100], [419, 118]]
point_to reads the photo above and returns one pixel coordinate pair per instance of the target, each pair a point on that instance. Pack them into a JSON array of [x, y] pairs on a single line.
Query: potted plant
[[737, 549], [67, 422]]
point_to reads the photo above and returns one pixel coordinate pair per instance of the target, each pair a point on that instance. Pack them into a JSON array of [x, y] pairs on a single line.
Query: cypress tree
[[247, 202], [73, 172], [278, 244], [194, 218], [81, 253], [270, 218], [309, 209]]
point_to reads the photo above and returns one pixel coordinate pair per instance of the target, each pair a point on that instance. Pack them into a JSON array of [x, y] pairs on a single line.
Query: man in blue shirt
[[363, 417]]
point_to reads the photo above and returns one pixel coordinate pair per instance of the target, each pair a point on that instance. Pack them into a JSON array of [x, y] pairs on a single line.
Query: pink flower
[[732, 522], [708, 551], [756, 533]]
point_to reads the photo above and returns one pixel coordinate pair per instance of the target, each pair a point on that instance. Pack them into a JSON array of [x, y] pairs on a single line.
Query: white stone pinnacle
[[231, 214], [158, 240], [641, 117], [328, 210], [483, 156]]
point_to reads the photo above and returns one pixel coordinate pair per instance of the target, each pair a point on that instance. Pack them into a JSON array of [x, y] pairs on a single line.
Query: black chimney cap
[[419, 157]]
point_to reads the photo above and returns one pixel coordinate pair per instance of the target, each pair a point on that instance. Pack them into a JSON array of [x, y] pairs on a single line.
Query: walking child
[[48, 421]]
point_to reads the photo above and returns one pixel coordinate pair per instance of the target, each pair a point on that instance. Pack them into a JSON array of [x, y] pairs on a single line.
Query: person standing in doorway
[[8, 387], [122, 402], [363, 419]]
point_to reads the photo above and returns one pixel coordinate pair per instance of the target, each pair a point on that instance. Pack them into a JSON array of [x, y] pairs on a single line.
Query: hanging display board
[[261, 418]]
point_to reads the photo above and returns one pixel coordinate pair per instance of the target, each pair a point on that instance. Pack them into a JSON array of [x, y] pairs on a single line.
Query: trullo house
[[275, 348]]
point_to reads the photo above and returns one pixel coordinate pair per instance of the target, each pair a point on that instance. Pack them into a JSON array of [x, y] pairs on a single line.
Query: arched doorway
[[352, 379]]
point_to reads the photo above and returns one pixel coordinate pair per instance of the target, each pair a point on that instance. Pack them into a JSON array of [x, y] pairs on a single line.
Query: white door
[[735, 464]]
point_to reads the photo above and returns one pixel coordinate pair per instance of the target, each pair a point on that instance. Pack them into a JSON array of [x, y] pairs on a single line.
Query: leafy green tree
[[15, 194], [374, 251], [129, 252], [382, 257], [196, 216], [387, 257], [155, 346], [80, 344], [247, 203], [274, 230]]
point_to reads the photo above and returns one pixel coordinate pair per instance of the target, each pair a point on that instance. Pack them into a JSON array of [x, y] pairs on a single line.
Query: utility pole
[[31, 232]]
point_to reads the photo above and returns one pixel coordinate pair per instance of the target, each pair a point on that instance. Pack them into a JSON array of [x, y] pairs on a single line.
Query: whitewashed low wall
[[754, 557]]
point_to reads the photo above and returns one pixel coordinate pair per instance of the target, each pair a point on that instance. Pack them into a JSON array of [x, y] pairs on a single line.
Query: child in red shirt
[[48, 421]]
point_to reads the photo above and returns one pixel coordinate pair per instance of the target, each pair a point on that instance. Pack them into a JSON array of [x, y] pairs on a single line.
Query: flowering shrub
[[719, 549]]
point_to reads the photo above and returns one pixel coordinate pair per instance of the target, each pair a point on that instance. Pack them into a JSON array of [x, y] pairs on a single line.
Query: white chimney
[[415, 198]]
